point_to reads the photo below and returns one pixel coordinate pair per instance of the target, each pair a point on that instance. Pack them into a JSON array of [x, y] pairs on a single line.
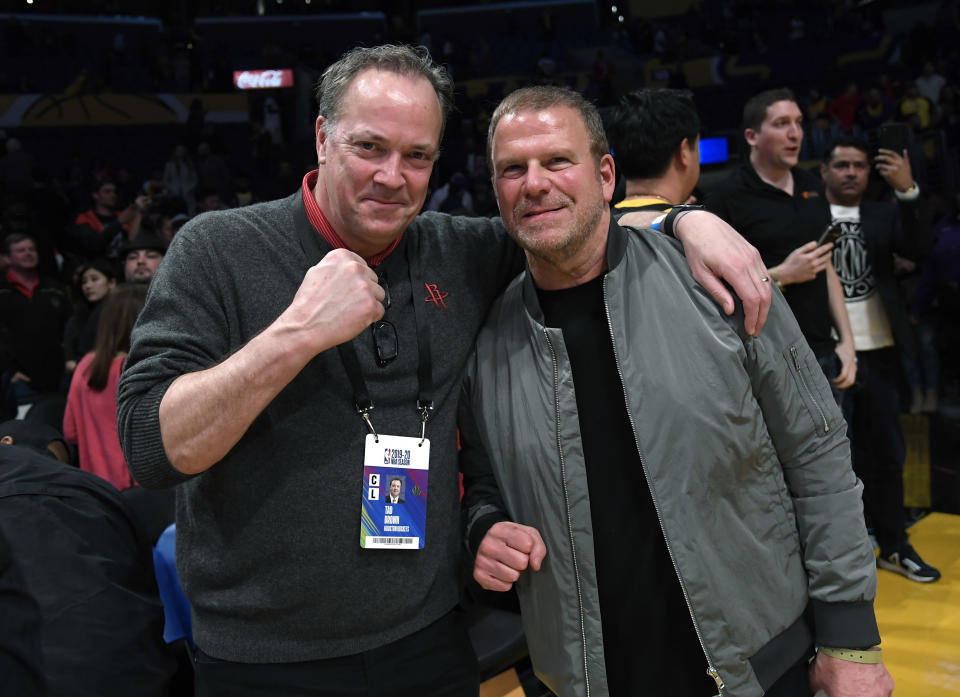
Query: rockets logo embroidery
[[435, 295]]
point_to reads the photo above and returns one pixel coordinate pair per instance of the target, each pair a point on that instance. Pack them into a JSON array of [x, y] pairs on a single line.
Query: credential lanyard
[[348, 354]]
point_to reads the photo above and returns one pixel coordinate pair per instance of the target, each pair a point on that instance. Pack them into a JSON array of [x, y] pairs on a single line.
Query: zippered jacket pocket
[[813, 387]]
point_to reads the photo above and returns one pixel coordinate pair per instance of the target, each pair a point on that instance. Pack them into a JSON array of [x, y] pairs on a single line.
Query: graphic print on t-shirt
[[851, 261], [868, 316]]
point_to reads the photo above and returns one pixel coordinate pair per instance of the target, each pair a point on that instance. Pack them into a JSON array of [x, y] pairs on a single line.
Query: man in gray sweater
[[288, 352]]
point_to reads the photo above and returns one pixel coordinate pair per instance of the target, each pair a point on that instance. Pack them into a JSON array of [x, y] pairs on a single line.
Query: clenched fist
[[338, 299], [506, 550]]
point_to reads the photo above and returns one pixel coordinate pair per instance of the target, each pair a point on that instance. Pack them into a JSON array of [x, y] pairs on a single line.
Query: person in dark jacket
[[89, 568], [21, 658], [34, 310], [863, 257]]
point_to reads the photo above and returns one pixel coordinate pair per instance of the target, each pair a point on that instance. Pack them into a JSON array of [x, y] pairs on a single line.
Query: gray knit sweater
[[268, 545]]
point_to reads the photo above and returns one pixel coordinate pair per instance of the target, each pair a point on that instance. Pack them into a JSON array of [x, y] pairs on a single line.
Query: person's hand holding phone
[[894, 168], [833, 233], [804, 263]]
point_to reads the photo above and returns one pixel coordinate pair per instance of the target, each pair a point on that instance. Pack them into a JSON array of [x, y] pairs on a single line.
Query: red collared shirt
[[323, 227], [23, 288]]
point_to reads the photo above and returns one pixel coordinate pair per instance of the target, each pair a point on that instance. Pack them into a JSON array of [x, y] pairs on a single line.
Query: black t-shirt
[[648, 635], [776, 223]]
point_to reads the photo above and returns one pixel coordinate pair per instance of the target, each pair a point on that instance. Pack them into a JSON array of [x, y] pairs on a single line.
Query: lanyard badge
[[395, 470]]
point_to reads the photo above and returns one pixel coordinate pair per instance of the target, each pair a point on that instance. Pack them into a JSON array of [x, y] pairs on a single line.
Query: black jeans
[[794, 683], [872, 410], [437, 661]]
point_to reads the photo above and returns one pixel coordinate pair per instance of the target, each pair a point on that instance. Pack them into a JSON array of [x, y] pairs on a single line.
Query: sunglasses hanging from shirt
[[386, 345], [386, 348]]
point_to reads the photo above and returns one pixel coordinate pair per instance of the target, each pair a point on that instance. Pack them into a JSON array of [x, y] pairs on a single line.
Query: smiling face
[[95, 285], [22, 256], [776, 145], [395, 488], [375, 159], [845, 176], [551, 191]]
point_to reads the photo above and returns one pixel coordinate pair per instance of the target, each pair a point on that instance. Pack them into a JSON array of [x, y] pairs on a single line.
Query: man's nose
[[389, 174], [536, 180]]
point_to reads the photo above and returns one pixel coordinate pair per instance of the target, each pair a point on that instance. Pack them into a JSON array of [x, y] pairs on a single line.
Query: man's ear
[[750, 136], [684, 153], [608, 176], [321, 140]]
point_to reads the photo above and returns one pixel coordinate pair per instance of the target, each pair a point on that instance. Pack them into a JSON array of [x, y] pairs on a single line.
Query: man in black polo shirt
[[780, 208]]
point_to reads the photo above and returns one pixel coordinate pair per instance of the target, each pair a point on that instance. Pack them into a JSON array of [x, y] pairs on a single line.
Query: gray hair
[[547, 97], [409, 61]]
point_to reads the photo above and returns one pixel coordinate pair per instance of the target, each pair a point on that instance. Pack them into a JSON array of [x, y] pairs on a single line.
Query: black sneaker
[[907, 562]]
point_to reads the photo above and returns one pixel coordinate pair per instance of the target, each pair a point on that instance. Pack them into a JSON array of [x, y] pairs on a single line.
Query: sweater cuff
[[846, 625], [147, 458], [481, 526]]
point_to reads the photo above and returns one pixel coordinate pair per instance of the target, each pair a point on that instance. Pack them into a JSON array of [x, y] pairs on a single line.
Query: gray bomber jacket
[[743, 447]]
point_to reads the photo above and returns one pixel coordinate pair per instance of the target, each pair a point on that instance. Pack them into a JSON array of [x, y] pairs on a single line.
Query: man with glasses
[[256, 383]]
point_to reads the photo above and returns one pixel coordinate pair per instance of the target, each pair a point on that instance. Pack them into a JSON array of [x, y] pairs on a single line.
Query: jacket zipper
[[796, 363], [711, 669], [566, 502]]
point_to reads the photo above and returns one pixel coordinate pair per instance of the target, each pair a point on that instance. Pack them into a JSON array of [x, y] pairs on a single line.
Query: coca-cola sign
[[262, 79]]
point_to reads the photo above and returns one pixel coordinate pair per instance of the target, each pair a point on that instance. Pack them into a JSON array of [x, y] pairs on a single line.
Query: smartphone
[[894, 136], [833, 233]]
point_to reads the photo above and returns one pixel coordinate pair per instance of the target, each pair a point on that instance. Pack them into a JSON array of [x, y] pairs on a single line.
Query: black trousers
[[872, 410], [794, 683], [437, 661]]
